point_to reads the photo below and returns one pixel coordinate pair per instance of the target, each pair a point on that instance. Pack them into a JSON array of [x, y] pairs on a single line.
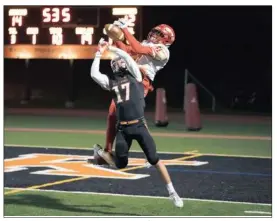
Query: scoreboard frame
[[57, 24], [71, 52]]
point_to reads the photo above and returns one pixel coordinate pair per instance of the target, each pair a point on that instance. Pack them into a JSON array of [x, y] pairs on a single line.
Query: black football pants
[[124, 137]]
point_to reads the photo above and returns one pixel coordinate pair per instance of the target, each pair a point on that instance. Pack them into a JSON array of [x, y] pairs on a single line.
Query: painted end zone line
[[140, 196], [86, 177]]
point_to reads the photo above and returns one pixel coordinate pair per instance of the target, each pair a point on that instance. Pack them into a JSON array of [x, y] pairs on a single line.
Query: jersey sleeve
[[131, 64], [96, 75]]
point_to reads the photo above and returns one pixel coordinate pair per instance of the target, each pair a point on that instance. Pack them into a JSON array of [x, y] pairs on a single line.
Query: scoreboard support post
[[27, 93], [70, 85]]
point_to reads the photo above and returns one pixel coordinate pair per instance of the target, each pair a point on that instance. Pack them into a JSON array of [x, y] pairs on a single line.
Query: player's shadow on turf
[[56, 204]]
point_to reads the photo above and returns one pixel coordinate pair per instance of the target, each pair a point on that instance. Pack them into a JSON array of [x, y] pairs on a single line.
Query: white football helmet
[[118, 64]]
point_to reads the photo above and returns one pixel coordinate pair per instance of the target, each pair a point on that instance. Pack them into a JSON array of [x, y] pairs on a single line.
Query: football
[[114, 32]]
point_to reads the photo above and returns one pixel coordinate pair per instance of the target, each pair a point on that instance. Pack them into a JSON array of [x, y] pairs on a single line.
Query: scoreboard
[[61, 31]]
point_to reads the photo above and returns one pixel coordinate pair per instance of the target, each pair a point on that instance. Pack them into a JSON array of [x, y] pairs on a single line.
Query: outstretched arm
[[132, 50], [124, 47], [131, 64], [136, 45], [95, 74], [158, 52]]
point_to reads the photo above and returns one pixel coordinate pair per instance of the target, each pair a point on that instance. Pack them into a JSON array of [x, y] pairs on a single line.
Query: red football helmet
[[162, 34]]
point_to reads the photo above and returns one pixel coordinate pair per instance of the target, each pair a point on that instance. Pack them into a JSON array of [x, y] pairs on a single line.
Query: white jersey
[[151, 65]]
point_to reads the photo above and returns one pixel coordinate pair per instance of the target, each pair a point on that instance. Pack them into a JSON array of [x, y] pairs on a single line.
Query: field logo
[[76, 166]]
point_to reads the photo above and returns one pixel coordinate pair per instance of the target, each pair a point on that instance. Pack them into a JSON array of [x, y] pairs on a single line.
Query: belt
[[128, 122]]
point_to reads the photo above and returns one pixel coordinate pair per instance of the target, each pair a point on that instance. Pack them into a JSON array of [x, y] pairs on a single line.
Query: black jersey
[[128, 95]]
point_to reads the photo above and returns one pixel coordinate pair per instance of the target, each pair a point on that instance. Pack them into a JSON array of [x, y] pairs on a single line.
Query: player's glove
[[102, 46], [123, 22]]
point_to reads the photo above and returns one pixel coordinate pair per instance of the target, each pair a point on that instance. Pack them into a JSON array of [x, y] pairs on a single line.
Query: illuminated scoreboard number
[[33, 31], [56, 15], [16, 15], [13, 35], [86, 34], [69, 16], [57, 35]]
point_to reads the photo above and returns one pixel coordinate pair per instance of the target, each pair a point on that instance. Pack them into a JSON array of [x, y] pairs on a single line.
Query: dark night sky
[[225, 47], [228, 48]]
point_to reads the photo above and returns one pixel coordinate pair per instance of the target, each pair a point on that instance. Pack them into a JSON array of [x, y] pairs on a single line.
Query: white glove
[[122, 22], [102, 46]]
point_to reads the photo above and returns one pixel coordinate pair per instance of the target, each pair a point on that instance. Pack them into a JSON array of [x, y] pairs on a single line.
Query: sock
[[170, 188], [111, 127]]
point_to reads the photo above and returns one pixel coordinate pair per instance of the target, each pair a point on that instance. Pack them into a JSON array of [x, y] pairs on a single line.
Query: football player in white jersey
[[151, 56], [153, 53]]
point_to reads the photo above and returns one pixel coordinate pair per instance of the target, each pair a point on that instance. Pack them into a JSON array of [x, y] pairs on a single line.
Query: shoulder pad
[[161, 52]]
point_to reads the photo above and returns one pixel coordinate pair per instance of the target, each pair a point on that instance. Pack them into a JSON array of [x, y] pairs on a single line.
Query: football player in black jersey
[[126, 86]]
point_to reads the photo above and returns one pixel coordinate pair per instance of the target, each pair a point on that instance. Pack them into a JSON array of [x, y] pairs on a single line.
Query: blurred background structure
[[225, 50]]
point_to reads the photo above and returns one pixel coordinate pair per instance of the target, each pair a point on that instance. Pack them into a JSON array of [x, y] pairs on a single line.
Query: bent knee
[[153, 160], [121, 163]]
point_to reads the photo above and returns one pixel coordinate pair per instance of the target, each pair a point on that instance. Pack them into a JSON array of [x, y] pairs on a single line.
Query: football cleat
[[178, 202], [108, 157], [96, 160]]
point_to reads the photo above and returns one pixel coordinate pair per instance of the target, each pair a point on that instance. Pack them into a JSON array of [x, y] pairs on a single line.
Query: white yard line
[[257, 212], [141, 196], [165, 152]]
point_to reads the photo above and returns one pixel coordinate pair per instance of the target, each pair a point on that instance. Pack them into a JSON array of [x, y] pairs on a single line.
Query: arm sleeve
[[136, 46], [96, 75], [131, 64]]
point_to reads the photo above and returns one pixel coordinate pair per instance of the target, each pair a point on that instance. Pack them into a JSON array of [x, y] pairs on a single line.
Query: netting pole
[[27, 90], [70, 101], [185, 83]]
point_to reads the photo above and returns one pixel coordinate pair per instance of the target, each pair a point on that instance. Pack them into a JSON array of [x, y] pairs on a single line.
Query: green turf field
[[33, 203], [209, 126], [172, 144], [39, 203]]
